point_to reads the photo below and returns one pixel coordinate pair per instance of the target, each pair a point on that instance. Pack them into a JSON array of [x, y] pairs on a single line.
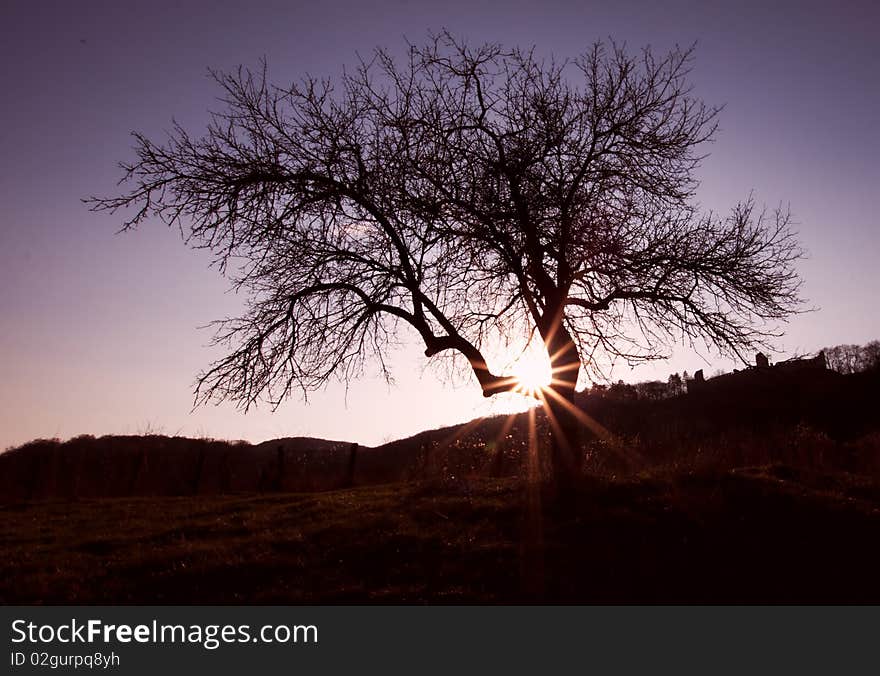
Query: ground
[[768, 534]]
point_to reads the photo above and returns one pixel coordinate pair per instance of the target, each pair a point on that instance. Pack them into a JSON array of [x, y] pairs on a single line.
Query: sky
[[100, 332]]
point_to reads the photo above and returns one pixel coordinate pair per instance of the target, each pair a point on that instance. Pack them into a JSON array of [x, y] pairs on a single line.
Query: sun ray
[[505, 428], [625, 451], [459, 433], [532, 547], [554, 423], [498, 445], [532, 375], [594, 425]]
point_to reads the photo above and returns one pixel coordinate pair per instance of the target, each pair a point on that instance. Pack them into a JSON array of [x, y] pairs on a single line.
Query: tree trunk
[[565, 428]]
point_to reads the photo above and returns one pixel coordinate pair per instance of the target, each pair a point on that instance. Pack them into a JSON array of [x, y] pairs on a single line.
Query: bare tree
[[466, 193], [848, 359]]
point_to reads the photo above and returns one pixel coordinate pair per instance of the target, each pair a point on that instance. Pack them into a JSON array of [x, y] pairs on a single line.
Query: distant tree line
[[853, 358], [843, 359], [651, 390]]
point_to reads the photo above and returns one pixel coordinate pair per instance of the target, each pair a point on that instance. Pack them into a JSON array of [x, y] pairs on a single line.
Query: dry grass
[[762, 534], [754, 496]]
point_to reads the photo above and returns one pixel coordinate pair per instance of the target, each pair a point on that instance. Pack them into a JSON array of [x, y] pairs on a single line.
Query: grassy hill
[[753, 490]]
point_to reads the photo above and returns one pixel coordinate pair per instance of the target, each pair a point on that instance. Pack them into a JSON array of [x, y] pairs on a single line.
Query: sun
[[532, 375]]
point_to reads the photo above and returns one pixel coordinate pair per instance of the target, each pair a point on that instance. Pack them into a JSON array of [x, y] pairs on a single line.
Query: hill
[[822, 420], [754, 489]]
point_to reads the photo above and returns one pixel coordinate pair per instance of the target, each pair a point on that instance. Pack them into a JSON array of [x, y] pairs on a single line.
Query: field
[[763, 534], [748, 492]]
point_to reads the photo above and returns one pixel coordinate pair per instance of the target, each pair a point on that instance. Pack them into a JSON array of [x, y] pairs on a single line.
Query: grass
[[761, 534], [757, 491]]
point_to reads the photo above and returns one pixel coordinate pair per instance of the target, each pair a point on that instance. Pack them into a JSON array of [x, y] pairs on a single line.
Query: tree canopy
[[465, 193]]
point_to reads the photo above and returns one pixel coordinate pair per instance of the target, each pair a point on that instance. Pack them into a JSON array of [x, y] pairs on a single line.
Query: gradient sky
[[98, 332]]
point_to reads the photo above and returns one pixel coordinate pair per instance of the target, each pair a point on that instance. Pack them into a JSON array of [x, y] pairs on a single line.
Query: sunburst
[[532, 376]]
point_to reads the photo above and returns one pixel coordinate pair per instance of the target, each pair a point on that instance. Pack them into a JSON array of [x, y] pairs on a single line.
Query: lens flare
[[532, 376]]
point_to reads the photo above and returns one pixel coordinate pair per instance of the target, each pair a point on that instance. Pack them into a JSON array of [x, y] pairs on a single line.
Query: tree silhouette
[[853, 358], [468, 194]]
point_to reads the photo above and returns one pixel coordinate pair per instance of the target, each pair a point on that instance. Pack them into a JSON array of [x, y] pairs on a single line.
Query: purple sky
[[98, 333]]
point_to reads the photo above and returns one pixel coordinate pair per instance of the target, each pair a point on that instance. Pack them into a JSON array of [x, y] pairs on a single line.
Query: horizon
[[99, 331], [510, 411]]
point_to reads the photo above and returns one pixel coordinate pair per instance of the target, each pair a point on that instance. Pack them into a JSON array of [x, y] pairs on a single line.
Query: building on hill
[[817, 363], [790, 367]]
